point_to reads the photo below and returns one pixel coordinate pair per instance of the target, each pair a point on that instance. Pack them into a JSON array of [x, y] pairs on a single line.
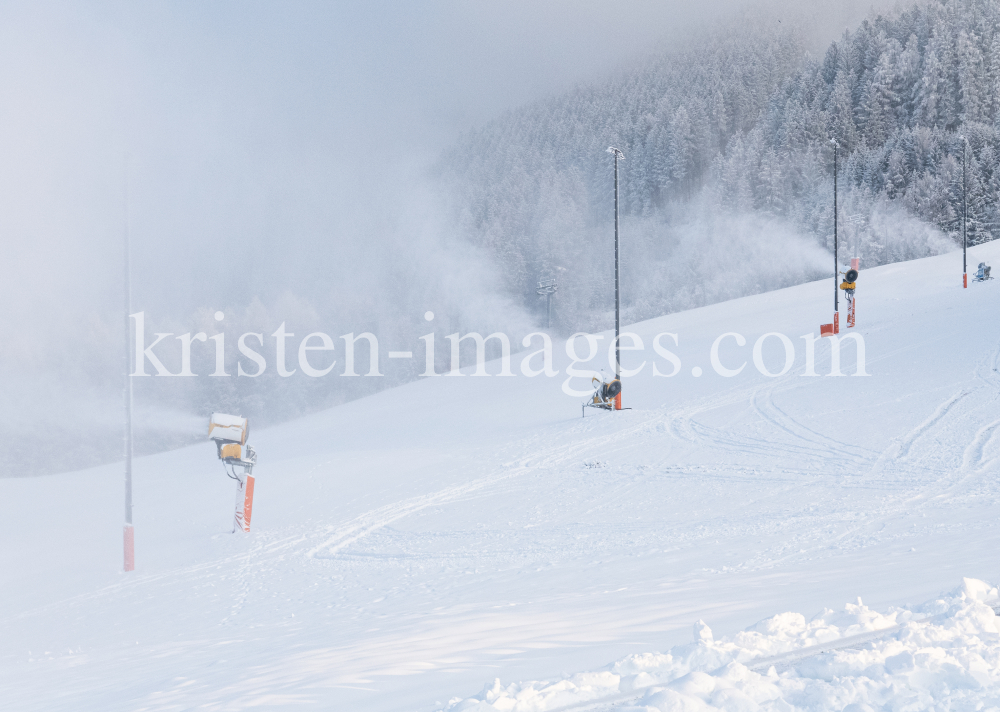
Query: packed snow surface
[[409, 548], [942, 655]]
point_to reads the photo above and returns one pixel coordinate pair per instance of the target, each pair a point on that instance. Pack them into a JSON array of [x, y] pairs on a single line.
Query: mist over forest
[[728, 179], [726, 190]]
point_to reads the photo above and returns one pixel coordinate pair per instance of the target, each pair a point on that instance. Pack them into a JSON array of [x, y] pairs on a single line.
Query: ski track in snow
[[376, 519], [974, 457], [770, 413], [928, 425], [340, 537], [684, 424]]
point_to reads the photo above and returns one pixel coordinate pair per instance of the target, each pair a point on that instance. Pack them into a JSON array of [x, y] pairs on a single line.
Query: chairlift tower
[[546, 288]]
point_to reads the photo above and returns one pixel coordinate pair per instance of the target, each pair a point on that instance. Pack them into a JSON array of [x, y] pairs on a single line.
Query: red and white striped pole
[[244, 503], [248, 503]]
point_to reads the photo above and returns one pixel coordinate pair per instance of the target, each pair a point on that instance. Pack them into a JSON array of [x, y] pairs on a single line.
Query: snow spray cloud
[[266, 160]]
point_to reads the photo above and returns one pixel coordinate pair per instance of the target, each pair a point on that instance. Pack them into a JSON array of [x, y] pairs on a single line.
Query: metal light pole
[[836, 263], [618, 364], [965, 215], [129, 532]]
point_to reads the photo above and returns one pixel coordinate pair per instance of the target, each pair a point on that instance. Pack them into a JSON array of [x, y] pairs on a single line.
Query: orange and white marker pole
[[244, 503], [248, 503]]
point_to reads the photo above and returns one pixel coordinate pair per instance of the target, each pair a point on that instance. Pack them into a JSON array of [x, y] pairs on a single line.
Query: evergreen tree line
[[727, 184]]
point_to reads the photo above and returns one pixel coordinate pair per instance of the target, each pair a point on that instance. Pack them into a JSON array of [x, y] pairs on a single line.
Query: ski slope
[[410, 548]]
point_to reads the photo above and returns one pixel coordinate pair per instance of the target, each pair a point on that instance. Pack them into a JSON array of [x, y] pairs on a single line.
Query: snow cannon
[[848, 285], [611, 390], [983, 273], [230, 433], [605, 395]]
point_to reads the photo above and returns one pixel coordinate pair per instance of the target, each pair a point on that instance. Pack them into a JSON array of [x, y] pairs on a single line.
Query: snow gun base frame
[[605, 396], [602, 405]]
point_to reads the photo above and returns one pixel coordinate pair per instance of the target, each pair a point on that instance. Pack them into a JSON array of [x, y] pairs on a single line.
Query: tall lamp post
[[965, 215], [836, 263], [129, 533], [619, 156]]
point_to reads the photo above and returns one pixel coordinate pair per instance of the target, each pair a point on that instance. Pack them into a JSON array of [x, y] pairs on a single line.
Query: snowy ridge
[[946, 651]]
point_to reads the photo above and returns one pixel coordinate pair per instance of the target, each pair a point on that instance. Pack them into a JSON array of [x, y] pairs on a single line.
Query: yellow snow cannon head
[[229, 433]]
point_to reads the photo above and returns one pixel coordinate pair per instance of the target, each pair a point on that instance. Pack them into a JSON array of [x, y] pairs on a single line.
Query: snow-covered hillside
[[411, 547]]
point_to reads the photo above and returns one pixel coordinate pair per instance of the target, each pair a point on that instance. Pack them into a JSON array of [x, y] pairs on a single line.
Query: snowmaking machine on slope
[[604, 396], [983, 273], [230, 433], [849, 284]]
